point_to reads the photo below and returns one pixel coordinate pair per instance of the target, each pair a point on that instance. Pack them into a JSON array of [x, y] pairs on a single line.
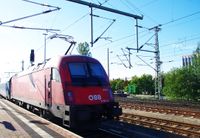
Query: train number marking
[[94, 97]]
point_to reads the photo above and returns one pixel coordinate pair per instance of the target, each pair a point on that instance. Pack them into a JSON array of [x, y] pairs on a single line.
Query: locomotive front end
[[88, 93]]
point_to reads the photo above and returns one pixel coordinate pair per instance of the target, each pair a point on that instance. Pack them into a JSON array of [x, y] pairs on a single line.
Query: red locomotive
[[75, 89]]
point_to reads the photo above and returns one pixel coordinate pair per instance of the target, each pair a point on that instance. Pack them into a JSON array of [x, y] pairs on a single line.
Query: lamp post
[[45, 43], [108, 61]]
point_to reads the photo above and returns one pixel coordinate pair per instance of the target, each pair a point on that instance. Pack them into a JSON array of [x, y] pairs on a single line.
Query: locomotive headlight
[[111, 95], [70, 97]]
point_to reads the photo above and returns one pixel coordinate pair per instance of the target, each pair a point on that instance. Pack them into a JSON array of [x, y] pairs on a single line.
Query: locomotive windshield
[[87, 74]]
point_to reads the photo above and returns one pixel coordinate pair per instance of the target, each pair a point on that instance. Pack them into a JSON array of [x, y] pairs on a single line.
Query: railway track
[[112, 129], [179, 128], [162, 109], [178, 104]]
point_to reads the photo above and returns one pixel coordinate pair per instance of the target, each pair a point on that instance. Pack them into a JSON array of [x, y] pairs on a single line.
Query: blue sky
[[179, 34]]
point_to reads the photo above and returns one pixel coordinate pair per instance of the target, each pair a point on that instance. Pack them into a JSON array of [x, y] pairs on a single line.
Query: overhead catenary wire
[[146, 42], [179, 42], [175, 20], [149, 3], [76, 21], [52, 8], [179, 50], [163, 24], [145, 62], [41, 4], [83, 16], [180, 18], [120, 39], [30, 28], [113, 20], [33, 15], [105, 1], [92, 5], [29, 16], [117, 41], [127, 3], [185, 40], [127, 58], [121, 61]]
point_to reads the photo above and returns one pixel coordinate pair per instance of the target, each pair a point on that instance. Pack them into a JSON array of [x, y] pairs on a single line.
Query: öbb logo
[[94, 97]]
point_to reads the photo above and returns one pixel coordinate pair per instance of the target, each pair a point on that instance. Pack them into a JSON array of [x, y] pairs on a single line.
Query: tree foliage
[[184, 83], [84, 49], [144, 84], [117, 85], [180, 83]]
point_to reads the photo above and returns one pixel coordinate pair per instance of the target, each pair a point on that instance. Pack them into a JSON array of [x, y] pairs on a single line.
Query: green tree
[[135, 81], [143, 84], [146, 84], [84, 49], [173, 84], [118, 84], [113, 84], [196, 60], [196, 73], [184, 83]]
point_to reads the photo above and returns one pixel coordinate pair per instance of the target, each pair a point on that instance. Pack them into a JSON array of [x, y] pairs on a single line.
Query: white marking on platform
[[35, 128]]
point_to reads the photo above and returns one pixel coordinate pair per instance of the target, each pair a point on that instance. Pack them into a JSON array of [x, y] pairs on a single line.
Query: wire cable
[[179, 42], [181, 18], [30, 28], [79, 19], [29, 16], [132, 5], [41, 4]]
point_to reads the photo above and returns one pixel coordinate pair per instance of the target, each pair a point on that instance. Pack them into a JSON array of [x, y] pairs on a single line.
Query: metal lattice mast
[[158, 79]]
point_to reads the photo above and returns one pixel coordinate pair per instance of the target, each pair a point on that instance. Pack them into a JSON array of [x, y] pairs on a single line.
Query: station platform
[[16, 122]]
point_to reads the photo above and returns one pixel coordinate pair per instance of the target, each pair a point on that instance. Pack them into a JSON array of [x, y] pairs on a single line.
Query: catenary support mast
[[158, 77], [92, 5]]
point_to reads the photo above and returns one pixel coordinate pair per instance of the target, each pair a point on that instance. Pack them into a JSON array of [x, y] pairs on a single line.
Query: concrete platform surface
[[16, 122]]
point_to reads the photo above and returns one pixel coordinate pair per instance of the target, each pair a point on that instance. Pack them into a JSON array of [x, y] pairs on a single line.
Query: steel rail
[[162, 124], [162, 109]]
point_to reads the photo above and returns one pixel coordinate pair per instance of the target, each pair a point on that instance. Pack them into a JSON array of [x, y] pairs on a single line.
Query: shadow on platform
[[38, 122], [8, 125]]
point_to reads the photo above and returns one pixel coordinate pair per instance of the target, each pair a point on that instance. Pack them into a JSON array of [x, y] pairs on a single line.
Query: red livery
[[75, 89]]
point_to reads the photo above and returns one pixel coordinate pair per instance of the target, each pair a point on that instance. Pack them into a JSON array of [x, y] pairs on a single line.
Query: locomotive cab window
[[55, 75], [78, 69], [95, 70], [87, 74]]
